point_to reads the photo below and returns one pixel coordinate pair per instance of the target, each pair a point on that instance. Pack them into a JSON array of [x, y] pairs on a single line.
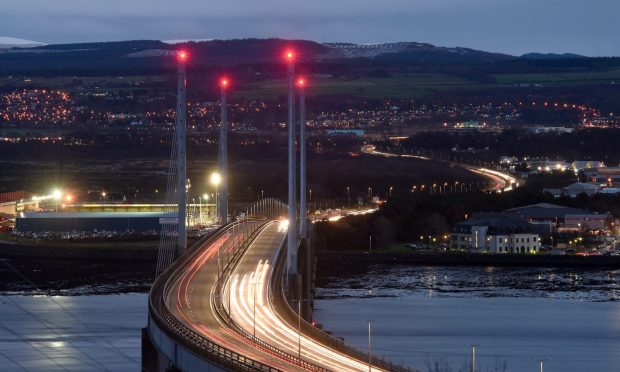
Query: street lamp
[[56, 195], [473, 358], [299, 325], [369, 350]]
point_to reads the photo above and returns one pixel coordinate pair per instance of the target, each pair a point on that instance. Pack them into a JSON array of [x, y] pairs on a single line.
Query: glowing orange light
[[69, 198]]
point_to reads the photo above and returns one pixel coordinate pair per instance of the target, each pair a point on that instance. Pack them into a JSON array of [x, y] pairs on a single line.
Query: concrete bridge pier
[[304, 289]]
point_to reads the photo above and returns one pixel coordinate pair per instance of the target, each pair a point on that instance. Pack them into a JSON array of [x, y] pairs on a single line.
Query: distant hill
[[11, 42], [411, 52], [260, 57], [551, 56]]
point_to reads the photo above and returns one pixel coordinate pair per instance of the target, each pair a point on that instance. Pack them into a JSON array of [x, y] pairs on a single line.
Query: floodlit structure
[[291, 262], [181, 156], [223, 153], [303, 206]]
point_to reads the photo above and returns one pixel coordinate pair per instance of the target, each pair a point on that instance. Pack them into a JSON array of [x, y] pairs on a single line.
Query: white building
[[495, 233]]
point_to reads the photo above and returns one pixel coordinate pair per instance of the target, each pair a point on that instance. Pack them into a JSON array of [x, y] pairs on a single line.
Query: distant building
[[495, 233], [561, 218], [579, 165], [89, 221], [574, 189], [544, 129], [336, 132], [609, 190], [545, 165], [603, 175]]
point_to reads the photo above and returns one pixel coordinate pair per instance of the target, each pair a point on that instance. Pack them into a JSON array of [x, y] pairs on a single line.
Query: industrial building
[[89, 221], [560, 218]]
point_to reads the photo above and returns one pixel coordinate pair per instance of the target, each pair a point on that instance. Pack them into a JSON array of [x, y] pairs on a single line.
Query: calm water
[[430, 316], [419, 316], [71, 333]]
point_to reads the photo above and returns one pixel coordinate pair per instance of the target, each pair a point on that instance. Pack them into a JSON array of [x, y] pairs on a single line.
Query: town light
[[224, 82], [301, 82], [205, 197], [57, 194], [215, 178]]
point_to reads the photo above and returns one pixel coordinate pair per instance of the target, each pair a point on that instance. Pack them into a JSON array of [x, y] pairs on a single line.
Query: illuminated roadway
[[190, 298], [254, 274], [499, 181]]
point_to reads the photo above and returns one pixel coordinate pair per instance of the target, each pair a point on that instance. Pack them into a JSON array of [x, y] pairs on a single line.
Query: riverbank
[[328, 258], [112, 251]]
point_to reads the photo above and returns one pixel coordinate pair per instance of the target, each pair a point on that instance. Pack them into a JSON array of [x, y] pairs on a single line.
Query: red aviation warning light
[[182, 56], [289, 55], [301, 83], [224, 83]]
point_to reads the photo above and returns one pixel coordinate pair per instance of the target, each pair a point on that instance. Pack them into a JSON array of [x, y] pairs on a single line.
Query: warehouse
[[89, 221]]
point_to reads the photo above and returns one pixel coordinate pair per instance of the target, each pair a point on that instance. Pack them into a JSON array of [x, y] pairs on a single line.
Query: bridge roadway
[[190, 298]]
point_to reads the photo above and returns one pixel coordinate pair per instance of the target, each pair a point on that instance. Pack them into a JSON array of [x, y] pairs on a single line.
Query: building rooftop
[[498, 223], [97, 214], [546, 210]]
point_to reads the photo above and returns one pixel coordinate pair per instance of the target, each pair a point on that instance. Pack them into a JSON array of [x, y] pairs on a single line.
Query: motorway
[[251, 281], [190, 299], [498, 181]]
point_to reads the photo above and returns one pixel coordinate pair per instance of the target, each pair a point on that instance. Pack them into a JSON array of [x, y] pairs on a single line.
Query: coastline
[[328, 258], [115, 251]]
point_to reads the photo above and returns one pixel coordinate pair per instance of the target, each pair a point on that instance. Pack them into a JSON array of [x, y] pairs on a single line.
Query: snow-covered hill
[[11, 42]]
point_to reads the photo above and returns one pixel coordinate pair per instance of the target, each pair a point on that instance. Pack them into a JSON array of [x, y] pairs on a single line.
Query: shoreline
[[328, 258], [117, 251]]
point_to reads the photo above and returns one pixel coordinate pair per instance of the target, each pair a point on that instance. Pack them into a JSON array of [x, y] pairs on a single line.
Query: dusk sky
[[510, 26]]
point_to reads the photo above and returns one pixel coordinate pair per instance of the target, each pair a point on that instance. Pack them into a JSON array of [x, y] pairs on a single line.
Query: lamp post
[[299, 325], [253, 283], [369, 349], [348, 195], [542, 365], [473, 358], [56, 195]]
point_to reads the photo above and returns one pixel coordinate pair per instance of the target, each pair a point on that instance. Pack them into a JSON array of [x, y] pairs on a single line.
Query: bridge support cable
[[173, 235]]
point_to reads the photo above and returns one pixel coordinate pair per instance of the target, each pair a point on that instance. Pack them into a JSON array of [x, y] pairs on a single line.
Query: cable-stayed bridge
[[241, 298]]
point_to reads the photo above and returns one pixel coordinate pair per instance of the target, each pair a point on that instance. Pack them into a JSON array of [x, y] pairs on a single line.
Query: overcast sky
[[510, 26]]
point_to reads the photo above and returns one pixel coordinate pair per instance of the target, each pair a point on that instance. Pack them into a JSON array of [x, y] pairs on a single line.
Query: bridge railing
[[184, 336], [280, 302]]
